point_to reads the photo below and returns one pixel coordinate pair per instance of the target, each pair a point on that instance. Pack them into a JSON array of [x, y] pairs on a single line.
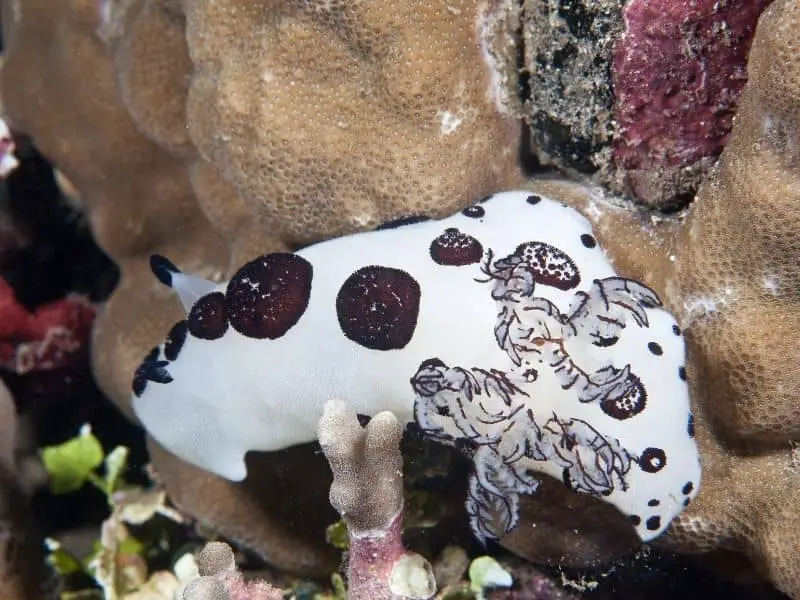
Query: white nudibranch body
[[503, 329]]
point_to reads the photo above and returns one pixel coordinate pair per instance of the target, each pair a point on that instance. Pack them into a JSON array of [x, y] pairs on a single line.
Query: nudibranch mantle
[[502, 330]]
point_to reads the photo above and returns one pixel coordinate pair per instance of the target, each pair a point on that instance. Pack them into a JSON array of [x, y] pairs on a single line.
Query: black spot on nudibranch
[[550, 265], [432, 363], [682, 373], [455, 249], [690, 426], [208, 319], [402, 222], [175, 340], [378, 307], [139, 376], [652, 460], [635, 519], [163, 269], [676, 330], [485, 199], [630, 404], [533, 199], [655, 348], [150, 369], [653, 502], [139, 384], [474, 212], [653, 523], [687, 488], [588, 240], [605, 342], [267, 296]]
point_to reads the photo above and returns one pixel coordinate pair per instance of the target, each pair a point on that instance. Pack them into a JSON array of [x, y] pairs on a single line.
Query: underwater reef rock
[[163, 128], [639, 96]]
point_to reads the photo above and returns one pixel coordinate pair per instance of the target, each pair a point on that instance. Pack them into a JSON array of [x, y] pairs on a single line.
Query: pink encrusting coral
[[367, 491], [221, 580], [677, 73], [52, 336]]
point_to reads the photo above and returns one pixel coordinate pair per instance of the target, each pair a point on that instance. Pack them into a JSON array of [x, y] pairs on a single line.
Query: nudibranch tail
[[189, 288]]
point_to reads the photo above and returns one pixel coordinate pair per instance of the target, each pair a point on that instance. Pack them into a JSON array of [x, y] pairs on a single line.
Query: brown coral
[[213, 132], [737, 277], [265, 89], [730, 270], [331, 108]]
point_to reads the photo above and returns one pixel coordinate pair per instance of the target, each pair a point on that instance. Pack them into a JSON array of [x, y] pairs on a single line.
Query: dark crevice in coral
[[570, 70], [578, 18], [562, 142], [528, 160], [60, 255]]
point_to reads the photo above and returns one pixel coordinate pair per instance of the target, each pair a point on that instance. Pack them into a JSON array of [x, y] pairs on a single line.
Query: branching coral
[[367, 491], [220, 580]]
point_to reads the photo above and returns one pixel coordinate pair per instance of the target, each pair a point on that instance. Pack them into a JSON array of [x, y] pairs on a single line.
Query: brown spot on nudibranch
[[267, 296], [550, 265], [175, 340], [630, 404], [377, 307], [208, 319], [652, 460], [455, 249]]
